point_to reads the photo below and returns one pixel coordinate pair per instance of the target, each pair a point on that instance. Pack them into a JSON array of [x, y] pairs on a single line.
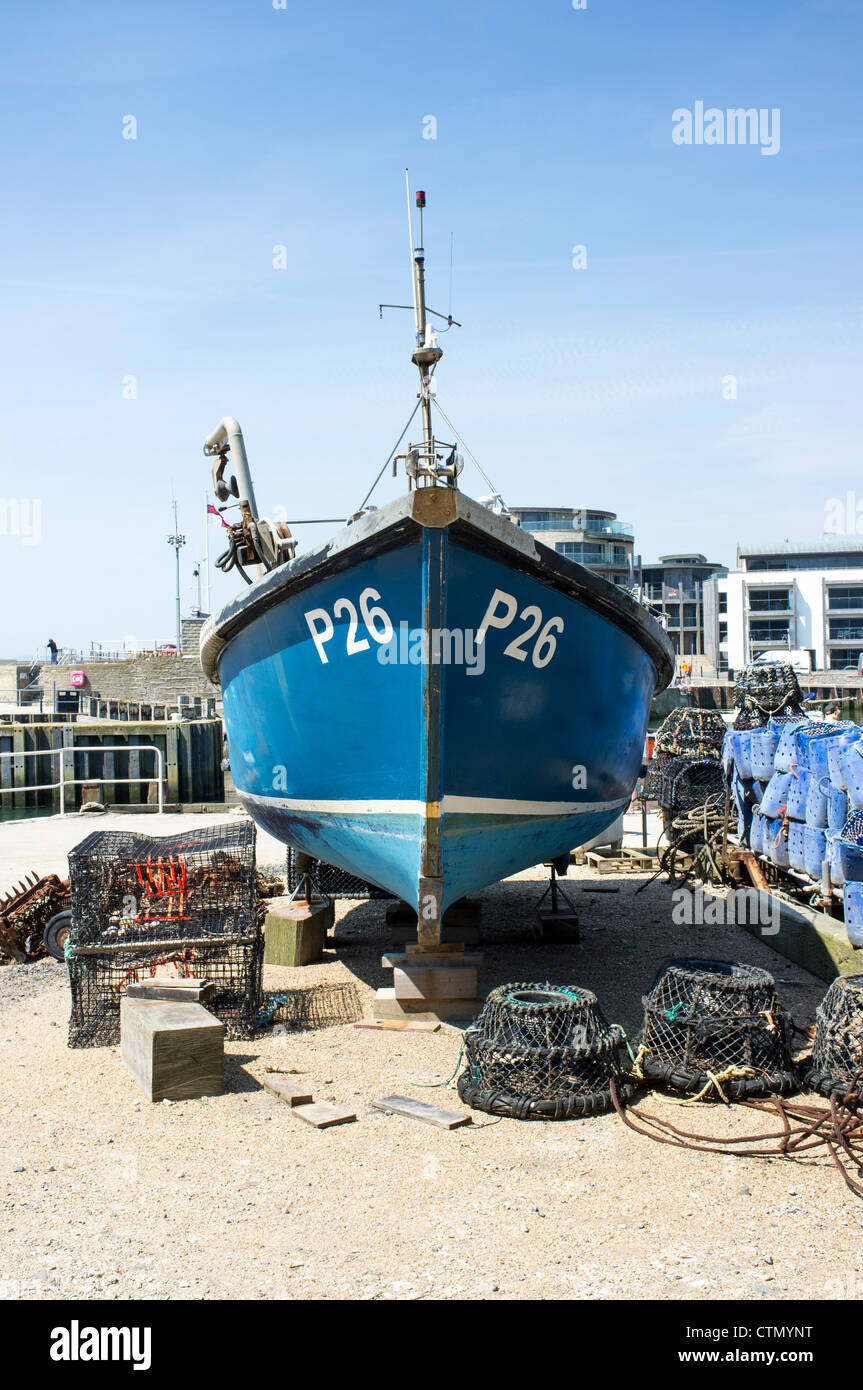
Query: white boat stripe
[[453, 805]]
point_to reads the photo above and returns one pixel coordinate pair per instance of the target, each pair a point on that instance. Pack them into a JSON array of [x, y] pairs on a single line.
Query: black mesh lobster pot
[[100, 975], [335, 882], [680, 784], [127, 887], [691, 733], [836, 1065], [766, 689], [542, 1052], [716, 1023]]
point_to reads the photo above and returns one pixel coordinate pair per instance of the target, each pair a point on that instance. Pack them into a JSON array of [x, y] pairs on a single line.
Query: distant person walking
[[52, 651]]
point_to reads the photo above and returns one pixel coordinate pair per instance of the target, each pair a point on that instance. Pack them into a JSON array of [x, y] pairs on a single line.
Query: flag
[[217, 516]]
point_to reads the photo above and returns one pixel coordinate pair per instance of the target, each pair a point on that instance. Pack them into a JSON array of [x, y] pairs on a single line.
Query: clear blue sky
[[260, 127]]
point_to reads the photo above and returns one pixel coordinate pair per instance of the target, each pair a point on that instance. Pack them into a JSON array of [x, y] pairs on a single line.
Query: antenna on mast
[[411, 249]]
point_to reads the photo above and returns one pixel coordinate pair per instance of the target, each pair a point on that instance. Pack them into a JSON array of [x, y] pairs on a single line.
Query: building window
[[772, 632], [690, 615], [846, 629], [547, 521], [583, 552], [844, 596], [723, 601], [843, 657], [723, 633], [852, 560], [769, 600]]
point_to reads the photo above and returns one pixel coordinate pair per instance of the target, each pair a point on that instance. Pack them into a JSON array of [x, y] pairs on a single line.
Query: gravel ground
[[109, 1197]]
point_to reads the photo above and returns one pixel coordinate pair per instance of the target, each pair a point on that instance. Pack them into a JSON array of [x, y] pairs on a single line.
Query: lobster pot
[[335, 882], [716, 1018], [691, 733], [775, 797], [127, 888], [679, 784], [836, 1063], [850, 848], [756, 831], [776, 842], [853, 905], [836, 750], [739, 742], [816, 801], [786, 750], [762, 751], [819, 749], [99, 977], [798, 790], [543, 1052], [834, 859], [741, 794], [766, 689], [796, 852], [814, 850], [804, 736], [852, 766], [837, 809]]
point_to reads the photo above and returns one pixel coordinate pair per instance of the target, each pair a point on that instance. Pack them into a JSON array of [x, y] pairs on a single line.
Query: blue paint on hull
[[415, 775]]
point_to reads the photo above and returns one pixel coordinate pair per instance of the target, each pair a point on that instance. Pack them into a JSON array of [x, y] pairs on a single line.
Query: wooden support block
[[455, 1011], [461, 936], [414, 959], [557, 926], [322, 1115], [289, 1091], [446, 948], [294, 933], [179, 989], [397, 1025], [416, 1110], [173, 1051], [433, 982]]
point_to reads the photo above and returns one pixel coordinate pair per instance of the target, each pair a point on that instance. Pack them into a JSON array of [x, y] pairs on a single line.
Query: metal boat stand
[[554, 923]]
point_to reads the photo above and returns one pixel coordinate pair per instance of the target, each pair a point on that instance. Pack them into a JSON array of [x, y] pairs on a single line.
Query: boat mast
[[427, 354], [423, 465]]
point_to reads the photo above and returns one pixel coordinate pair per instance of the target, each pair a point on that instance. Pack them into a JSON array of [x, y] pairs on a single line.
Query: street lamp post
[[177, 541]]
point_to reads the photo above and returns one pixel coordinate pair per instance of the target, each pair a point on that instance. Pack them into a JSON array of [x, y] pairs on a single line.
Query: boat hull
[[437, 703]]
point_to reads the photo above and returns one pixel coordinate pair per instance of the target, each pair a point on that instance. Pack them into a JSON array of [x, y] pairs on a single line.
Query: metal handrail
[[65, 781]]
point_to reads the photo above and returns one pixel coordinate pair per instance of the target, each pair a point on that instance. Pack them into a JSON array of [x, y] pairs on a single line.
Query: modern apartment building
[[805, 596], [673, 590], [596, 539]]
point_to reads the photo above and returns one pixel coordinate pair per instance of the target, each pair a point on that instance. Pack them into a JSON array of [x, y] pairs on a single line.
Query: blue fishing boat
[[431, 700]]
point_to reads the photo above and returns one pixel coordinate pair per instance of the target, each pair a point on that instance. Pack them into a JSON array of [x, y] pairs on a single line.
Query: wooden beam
[[417, 1110]]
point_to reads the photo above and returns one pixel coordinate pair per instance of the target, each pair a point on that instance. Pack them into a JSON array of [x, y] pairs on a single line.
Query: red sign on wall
[[77, 678]]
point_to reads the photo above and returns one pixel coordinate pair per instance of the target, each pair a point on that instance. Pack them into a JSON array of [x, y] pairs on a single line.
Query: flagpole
[[207, 551]]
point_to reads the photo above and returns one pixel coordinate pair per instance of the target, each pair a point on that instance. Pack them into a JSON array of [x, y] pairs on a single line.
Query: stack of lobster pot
[[843, 788], [807, 777]]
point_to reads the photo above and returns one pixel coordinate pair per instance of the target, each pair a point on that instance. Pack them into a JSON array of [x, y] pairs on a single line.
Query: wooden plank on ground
[[322, 1115], [398, 1025], [418, 1110], [600, 888], [289, 1091]]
